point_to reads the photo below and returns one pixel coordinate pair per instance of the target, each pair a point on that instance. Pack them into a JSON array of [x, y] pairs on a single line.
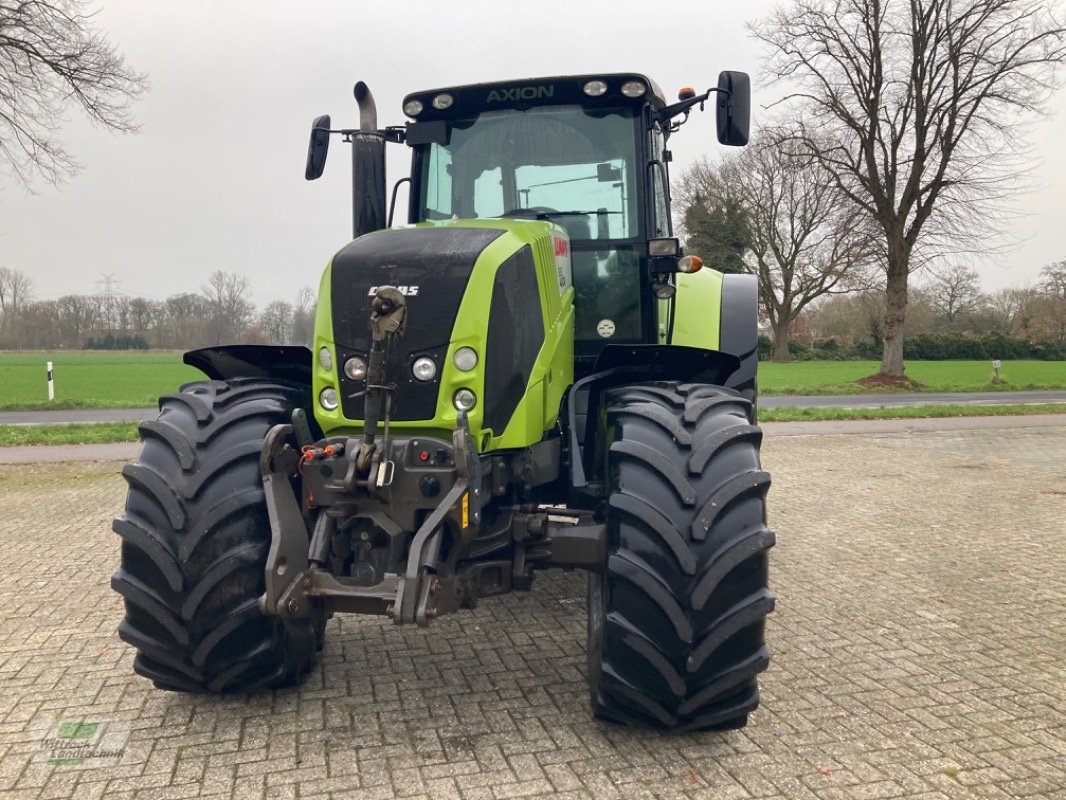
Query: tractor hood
[[432, 267]]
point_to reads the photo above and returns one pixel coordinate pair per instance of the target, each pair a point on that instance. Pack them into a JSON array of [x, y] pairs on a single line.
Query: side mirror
[[734, 108], [317, 147]]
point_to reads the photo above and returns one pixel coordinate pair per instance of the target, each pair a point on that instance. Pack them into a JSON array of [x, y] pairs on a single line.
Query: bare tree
[[955, 290], [1049, 307], [1009, 306], [921, 102], [858, 317], [16, 288], [276, 321], [303, 317], [229, 310], [53, 58], [77, 315], [802, 241], [142, 313]]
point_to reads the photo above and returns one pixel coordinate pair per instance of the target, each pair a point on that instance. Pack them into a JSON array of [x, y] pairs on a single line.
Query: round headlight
[[327, 398], [355, 368], [595, 88], [443, 101], [424, 369], [325, 359], [464, 399], [465, 358], [412, 108], [634, 88]]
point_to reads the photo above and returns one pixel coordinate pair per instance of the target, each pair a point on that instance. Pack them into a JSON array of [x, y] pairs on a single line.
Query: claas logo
[[406, 291]]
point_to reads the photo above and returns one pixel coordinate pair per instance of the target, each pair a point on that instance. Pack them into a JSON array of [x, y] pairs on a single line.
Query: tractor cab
[[587, 153], [567, 150]]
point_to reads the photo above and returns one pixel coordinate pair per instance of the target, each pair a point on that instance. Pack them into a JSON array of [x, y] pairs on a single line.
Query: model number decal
[[520, 93], [406, 291]]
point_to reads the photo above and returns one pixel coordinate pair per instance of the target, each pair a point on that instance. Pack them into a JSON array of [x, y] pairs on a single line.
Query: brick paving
[[919, 651]]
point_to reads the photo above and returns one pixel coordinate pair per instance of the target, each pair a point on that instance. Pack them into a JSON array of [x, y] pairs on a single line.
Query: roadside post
[[995, 369], [51, 384]]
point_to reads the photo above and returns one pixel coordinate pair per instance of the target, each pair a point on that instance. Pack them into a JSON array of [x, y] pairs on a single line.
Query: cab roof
[[526, 93]]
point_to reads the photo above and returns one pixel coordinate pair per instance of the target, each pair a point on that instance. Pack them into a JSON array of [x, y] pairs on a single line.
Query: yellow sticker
[[466, 510]]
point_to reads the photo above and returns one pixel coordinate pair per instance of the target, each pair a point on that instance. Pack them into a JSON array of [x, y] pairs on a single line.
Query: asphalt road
[[127, 451], [812, 401]]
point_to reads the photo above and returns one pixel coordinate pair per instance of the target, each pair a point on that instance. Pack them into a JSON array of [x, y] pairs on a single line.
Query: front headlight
[[327, 398], [464, 399], [465, 358], [424, 369], [355, 368]]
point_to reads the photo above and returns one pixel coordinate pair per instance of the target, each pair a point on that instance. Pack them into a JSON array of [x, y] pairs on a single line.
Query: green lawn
[[87, 379], [907, 412], [839, 377], [90, 379], [87, 433]]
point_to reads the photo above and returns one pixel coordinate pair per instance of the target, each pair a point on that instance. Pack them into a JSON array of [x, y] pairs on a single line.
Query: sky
[[214, 178]]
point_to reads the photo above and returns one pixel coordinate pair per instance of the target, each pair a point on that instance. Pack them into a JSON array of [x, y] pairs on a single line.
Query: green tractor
[[528, 374]]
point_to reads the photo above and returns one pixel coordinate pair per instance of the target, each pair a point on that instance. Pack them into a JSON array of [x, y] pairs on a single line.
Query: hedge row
[[925, 347], [112, 342]]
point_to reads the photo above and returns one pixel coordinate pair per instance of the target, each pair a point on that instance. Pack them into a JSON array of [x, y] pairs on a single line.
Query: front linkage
[[402, 527]]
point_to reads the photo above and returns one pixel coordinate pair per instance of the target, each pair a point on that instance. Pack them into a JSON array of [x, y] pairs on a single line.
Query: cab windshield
[[573, 166]]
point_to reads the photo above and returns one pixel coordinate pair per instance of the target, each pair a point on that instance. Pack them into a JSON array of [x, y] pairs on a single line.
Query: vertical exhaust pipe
[[368, 167]]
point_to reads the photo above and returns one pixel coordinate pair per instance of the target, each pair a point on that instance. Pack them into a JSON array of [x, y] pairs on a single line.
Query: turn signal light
[[690, 264]]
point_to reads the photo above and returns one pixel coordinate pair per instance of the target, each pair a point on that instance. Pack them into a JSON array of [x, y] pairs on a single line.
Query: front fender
[[275, 362]]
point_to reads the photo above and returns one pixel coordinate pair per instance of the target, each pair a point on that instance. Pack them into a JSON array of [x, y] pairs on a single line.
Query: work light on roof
[[412, 108], [595, 88], [634, 89], [443, 101]]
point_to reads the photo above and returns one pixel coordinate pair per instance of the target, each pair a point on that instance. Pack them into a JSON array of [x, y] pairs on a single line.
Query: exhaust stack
[[368, 167]]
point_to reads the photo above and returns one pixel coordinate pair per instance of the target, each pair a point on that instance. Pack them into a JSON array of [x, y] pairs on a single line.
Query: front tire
[[676, 620], [195, 536]]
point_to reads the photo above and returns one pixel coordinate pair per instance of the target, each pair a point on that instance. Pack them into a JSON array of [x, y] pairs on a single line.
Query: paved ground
[[919, 649]]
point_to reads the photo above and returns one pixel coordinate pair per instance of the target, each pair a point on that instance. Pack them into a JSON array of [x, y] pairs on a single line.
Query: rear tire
[[195, 536], [676, 620]]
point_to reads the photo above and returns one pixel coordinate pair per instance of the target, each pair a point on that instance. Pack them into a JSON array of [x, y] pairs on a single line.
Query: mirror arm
[[394, 133], [667, 113]]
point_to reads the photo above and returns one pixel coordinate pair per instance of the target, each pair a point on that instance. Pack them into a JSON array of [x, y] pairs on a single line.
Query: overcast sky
[[214, 179]]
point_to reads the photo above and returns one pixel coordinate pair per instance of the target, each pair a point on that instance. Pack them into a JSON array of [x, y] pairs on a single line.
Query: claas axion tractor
[[527, 374]]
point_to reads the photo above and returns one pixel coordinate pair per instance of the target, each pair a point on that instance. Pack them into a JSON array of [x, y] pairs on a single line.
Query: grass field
[[839, 377], [86, 379]]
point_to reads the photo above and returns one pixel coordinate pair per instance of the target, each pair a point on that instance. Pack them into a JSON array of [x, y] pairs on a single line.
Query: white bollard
[[51, 384]]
